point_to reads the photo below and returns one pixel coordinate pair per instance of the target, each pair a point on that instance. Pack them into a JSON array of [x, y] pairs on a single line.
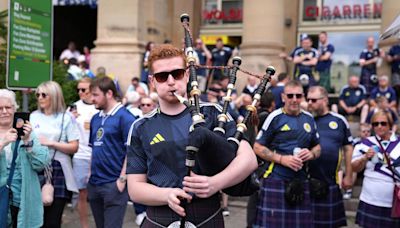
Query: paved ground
[[237, 218]]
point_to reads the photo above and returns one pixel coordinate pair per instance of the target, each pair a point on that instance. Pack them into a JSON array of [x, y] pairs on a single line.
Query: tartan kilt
[[370, 216], [273, 211], [58, 181], [197, 211], [329, 212]]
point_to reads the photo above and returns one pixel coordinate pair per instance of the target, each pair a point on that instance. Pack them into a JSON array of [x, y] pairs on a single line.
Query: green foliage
[[68, 86], [59, 72]]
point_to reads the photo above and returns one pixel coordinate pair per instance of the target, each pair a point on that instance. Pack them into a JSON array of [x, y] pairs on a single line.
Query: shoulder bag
[[396, 200], [48, 188], [5, 191]]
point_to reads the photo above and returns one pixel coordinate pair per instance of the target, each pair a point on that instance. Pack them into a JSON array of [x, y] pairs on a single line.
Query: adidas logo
[[285, 128], [158, 138]]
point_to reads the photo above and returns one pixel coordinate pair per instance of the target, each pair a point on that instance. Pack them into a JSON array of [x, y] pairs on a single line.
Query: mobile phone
[[19, 119], [72, 107]]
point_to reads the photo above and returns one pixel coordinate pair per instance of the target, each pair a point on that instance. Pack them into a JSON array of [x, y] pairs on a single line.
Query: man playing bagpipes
[[157, 149]]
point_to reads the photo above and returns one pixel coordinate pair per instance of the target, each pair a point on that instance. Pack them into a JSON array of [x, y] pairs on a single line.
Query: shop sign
[[344, 11], [232, 14]]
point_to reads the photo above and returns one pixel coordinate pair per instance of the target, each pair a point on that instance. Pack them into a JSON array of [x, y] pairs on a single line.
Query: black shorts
[[344, 113]]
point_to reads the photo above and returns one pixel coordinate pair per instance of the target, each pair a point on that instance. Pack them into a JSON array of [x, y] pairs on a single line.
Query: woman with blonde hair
[[25, 204], [57, 130], [380, 175]]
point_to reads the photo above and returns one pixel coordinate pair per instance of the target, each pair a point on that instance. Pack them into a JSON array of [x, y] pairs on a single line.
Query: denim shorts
[[81, 172]]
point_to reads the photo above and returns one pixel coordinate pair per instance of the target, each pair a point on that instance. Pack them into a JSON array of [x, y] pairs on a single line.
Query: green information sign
[[30, 43]]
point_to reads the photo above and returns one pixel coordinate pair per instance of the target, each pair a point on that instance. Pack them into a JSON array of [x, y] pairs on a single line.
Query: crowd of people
[[109, 148]]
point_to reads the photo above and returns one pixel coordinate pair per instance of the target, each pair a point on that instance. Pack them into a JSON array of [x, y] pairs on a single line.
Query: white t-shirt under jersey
[[85, 114]]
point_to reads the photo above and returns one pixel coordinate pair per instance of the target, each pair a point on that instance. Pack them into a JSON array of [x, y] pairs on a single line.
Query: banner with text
[[30, 43]]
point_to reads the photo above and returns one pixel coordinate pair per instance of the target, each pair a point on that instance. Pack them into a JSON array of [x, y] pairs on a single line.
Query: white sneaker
[[347, 195], [140, 217], [225, 211]]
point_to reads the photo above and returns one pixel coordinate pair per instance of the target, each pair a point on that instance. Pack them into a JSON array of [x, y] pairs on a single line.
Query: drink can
[[296, 151]]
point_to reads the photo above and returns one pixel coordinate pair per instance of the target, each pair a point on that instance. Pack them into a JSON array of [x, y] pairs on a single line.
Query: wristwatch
[[122, 179], [28, 144]]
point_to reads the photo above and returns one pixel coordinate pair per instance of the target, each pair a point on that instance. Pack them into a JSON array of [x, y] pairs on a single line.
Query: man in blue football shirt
[[156, 152], [334, 134], [109, 129], [288, 139], [369, 58], [325, 51]]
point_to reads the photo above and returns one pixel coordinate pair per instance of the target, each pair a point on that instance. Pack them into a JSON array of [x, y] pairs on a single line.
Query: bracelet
[[280, 159]]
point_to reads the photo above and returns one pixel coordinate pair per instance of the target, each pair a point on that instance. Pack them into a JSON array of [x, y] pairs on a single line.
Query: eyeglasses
[[163, 76], [6, 108], [382, 123], [43, 95], [143, 105], [83, 90], [313, 100], [297, 95]]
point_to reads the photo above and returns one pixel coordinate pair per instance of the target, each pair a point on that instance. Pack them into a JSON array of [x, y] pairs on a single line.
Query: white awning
[[392, 30], [74, 2]]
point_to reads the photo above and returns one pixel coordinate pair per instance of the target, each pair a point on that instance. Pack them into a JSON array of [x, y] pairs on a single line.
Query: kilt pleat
[[273, 211], [370, 216], [329, 212]]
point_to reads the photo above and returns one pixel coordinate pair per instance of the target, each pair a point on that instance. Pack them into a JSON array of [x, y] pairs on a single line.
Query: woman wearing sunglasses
[[376, 196], [57, 130]]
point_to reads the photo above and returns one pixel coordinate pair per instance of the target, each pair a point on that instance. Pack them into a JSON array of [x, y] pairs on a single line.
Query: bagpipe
[[210, 148]]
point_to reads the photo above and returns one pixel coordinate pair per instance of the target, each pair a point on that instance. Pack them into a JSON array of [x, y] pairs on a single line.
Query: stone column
[[3, 5], [119, 44], [263, 29]]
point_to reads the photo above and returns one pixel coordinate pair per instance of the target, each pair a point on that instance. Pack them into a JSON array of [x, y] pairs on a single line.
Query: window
[[348, 46]]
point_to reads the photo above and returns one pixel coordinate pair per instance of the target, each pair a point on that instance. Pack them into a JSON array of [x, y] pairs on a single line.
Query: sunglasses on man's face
[[163, 76], [291, 95], [43, 95], [83, 90], [314, 100], [382, 123]]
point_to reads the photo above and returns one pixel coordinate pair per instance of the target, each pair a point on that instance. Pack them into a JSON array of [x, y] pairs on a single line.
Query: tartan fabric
[[365, 80], [370, 216], [197, 211], [329, 212], [273, 211], [58, 181]]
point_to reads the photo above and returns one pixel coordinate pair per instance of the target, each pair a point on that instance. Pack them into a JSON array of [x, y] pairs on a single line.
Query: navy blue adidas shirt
[[395, 50], [305, 69], [334, 133], [367, 55], [325, 65], [108, 137], [283, 133], [352, 96], [158, 141], [389, 93]]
